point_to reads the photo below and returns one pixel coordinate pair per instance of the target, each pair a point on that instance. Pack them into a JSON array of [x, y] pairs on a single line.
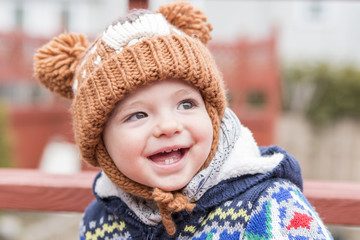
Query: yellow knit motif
[[190, 228], [100, 232], [224, 214]]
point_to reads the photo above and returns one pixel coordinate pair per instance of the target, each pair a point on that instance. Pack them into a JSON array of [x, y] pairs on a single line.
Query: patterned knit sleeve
[[283, 212]]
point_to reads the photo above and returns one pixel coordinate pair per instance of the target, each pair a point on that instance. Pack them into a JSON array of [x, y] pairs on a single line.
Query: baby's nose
[[168, 126]]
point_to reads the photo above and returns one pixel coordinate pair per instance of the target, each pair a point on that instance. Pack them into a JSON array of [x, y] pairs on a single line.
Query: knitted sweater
[[255, 195]]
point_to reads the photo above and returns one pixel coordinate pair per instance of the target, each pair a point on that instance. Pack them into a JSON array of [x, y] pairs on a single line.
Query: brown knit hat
[[134, 51]]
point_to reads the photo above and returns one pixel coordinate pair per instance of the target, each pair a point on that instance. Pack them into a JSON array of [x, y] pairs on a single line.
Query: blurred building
[[46, 18], [307, 30]]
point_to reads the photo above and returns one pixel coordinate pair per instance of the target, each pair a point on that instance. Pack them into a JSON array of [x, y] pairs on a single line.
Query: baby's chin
[[171, 187]]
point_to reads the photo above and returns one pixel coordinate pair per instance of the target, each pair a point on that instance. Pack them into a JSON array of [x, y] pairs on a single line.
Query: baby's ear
[[188, 19], [55, 62]]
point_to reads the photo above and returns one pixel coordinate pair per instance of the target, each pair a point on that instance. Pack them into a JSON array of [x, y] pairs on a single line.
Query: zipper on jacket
[[149, 233], [133, 215]]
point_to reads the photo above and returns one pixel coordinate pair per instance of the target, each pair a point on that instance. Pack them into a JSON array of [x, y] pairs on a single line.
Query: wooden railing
[[336, 202], [22, 189]]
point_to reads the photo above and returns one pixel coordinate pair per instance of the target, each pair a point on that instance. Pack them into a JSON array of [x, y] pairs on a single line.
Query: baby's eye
[[136, 116], [186, 104]]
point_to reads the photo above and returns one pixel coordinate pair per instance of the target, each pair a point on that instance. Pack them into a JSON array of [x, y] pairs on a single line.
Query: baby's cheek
[[206, 133]]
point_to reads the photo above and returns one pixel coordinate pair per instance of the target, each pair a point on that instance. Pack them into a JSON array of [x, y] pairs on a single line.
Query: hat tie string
[[168, 203]]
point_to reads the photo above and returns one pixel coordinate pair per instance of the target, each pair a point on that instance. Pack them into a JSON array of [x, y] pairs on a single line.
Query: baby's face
[[160, 135]]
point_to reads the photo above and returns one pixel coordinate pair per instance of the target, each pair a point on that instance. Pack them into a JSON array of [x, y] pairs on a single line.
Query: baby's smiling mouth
[[169, 156]]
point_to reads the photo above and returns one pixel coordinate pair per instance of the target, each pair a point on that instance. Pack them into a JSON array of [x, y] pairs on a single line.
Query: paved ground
[[38, 226]]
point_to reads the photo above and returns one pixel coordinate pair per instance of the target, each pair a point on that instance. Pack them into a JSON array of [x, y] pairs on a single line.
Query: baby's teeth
[[169, 151], [169, 161]]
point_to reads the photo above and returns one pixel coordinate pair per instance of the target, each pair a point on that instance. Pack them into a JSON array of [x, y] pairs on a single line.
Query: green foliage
[[5, 150], [335, 91]]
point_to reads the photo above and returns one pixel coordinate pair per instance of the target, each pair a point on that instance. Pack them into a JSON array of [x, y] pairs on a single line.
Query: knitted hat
[[139, 49]]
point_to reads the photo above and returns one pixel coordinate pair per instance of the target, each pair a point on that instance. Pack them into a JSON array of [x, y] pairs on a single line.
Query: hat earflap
[[55, 62], [190, 20]]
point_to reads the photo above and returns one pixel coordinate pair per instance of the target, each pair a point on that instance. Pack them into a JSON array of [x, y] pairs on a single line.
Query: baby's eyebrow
[[124, 107], [184, 91], [131, 105]]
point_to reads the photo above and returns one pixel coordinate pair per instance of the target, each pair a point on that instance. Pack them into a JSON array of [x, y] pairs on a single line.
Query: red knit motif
[[300, 220]]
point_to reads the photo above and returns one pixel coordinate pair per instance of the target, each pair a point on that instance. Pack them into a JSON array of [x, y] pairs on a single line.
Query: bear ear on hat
[[55, 62], [190, 20]]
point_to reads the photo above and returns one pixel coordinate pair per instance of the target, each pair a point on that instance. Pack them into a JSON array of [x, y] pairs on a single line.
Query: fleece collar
[[237, 155]]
